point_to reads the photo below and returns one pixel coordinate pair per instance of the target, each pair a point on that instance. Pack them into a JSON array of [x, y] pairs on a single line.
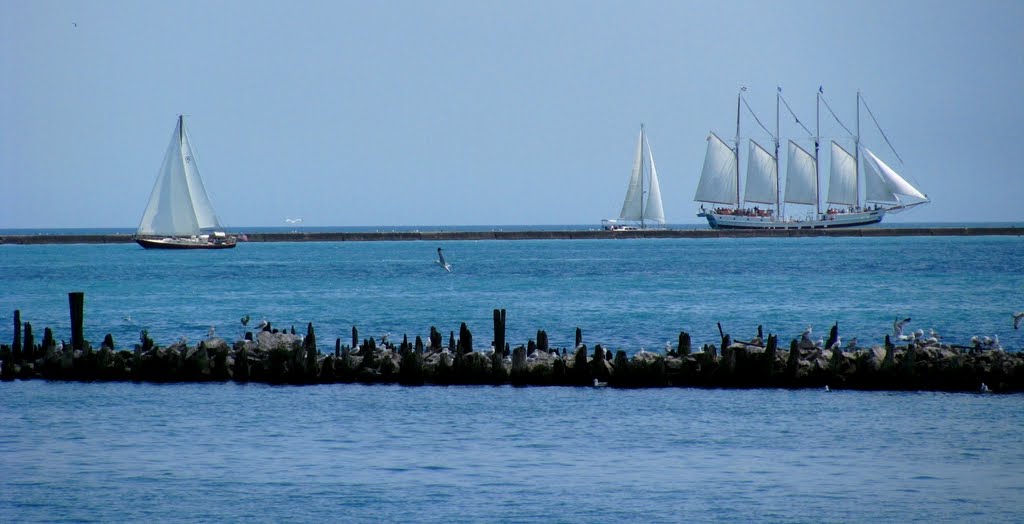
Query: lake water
[[351, 453]]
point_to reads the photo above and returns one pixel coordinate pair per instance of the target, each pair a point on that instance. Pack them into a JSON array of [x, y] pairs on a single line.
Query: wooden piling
[[76, 301]]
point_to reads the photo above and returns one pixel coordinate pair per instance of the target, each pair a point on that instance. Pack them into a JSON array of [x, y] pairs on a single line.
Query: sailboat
[[885, 191], [639, 212], [179, 214]]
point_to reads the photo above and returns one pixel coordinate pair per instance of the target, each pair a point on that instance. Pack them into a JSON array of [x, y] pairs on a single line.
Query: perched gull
[[805, 339], [263, 324], [1017, 318], [441, 262], [210, 333], [984, 388]]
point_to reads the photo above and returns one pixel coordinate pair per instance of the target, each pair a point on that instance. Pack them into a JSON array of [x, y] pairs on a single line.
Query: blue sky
[[479, 112]]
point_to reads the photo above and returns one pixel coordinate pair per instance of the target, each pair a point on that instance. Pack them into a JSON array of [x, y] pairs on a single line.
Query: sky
[[481, 112]]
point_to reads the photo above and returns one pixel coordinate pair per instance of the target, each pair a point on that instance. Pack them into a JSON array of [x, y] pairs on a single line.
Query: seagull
[[263, 324], [1017, 318], [293, 220], [984, 388], [441, 262], [805, 339], [837, 344], [897, 327], [127, 318], [211, 332], [245, 320], [599, 384], [827, 389]]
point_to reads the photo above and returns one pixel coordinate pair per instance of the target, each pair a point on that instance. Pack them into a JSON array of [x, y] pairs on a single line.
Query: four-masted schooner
[[884, 190]]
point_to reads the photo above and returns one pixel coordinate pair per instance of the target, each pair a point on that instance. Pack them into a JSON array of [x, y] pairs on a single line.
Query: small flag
[[821, 89]]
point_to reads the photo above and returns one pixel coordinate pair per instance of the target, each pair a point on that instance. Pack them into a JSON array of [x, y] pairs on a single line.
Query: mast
[[737, 150], [856, 153], [817, 140], [643, 205], [778, 187], [181, 129]]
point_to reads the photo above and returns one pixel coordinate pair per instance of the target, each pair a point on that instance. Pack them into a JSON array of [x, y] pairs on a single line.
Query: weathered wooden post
[[499, 331], [76, 301], [579, 337], [465, 339], [542, 340], [337, 347], [685, 345], [16, 345], [29, 348], [890, 354], [794, 358], [833, 335], [355, 339], [770, 353]]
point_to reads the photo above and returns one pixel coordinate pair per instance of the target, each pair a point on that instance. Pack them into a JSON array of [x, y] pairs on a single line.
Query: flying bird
[[245, 320], [897, 326], [293, 220], [1017, 318], [441, 262]]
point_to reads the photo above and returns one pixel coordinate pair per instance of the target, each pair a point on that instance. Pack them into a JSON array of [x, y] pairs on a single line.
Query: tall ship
[[884, 191], [642, 208], [179, 214]]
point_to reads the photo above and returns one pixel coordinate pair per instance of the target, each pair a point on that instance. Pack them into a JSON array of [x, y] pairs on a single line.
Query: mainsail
[[178, 205], [801, 176], [653, 210], [842, 183], [762, 176], [718, 179], [883, 185]]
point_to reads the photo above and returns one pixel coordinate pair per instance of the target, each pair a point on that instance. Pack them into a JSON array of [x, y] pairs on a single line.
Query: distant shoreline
[[313, 236]]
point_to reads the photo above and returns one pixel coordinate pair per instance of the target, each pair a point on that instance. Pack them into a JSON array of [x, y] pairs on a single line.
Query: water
[[625, 294], [351, 453]]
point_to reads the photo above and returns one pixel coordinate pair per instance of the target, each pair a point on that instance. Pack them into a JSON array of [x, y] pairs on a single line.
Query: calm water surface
[[349, 453]]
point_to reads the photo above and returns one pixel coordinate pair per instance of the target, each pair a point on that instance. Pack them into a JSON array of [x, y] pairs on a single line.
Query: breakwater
[[285, 357], [368, 236]]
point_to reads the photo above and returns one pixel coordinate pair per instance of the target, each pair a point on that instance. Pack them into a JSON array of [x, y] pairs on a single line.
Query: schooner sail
[[179, 213], [635, 207], [720, 183]]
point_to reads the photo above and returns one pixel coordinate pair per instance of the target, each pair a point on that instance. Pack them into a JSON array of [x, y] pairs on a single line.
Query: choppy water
[[350, 453]]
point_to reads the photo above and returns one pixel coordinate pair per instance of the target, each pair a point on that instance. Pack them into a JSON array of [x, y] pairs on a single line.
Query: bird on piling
[[805, 339], [263, 324], [212, 332], [837, 344], [441, 261], [1018, 317]]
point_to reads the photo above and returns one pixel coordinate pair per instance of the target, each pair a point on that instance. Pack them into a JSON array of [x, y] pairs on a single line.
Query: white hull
[[821, 221]]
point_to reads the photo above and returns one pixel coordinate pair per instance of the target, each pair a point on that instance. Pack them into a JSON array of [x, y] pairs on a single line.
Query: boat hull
[[185, 243], [829, 221]]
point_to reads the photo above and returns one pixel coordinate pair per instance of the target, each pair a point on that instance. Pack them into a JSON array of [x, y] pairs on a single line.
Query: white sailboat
[[179, 214], [642, 208], [884, 190]]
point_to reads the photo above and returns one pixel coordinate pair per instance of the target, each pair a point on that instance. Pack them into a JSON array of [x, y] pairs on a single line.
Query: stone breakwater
[[542, 235], [285, 357]]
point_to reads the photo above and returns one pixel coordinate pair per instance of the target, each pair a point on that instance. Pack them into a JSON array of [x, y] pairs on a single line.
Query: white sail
[[842, 182], [653, 210], [762, 177], [718, 179], [178, 205], [205, 216], [883, 184], [633, 206], [801, 176]]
